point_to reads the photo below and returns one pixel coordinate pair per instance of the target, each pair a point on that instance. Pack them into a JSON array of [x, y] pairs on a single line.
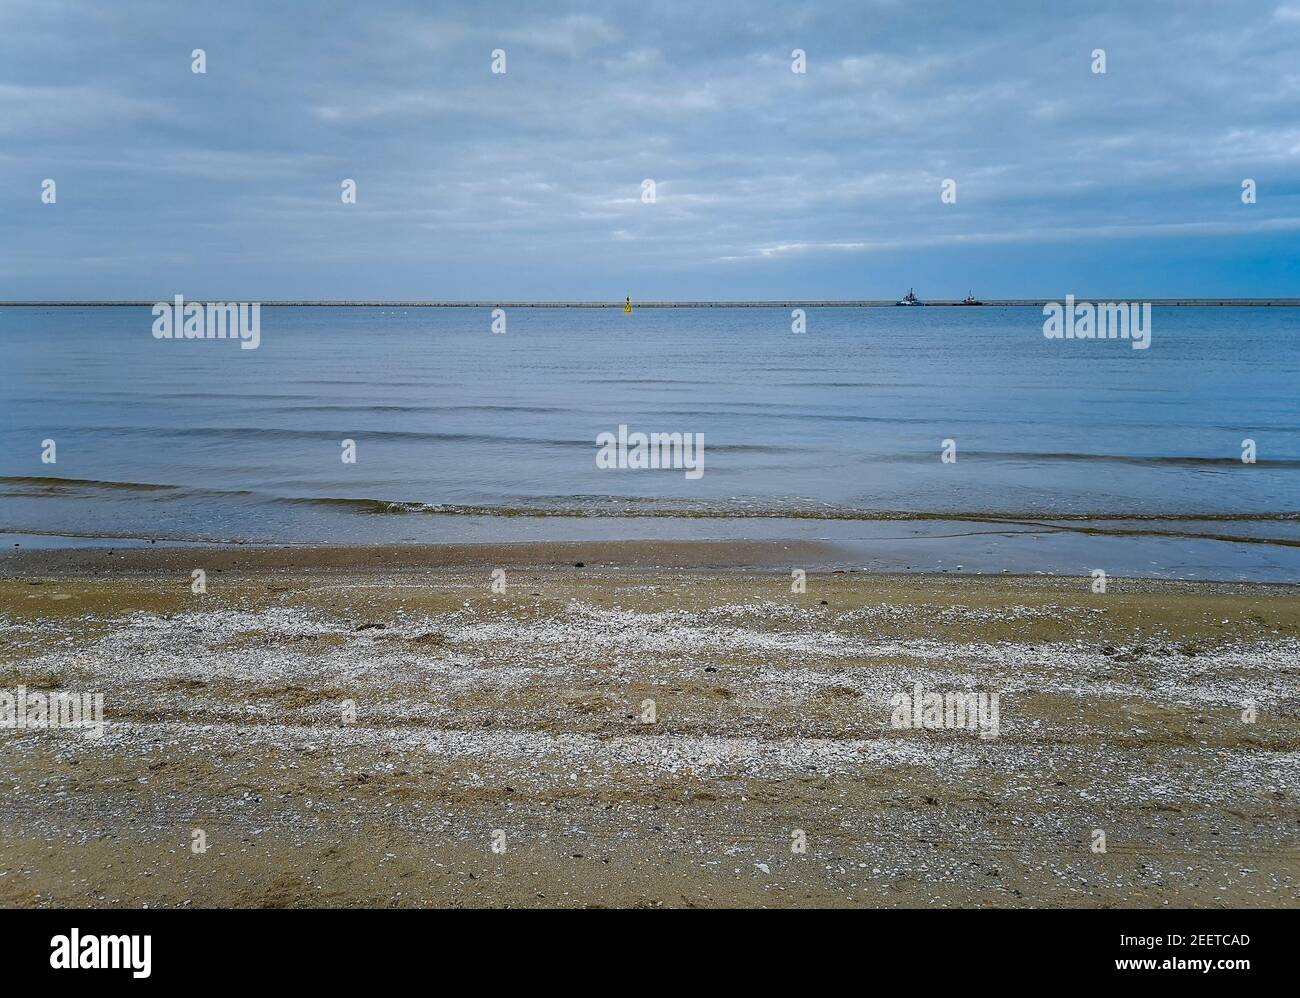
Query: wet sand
[[354, 726]]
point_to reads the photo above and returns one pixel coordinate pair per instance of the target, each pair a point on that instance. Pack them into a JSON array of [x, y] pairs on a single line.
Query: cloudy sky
[[770, 184]]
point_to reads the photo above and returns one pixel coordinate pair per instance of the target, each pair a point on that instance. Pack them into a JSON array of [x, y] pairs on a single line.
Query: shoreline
[[977, 555], [760, 554], [639, 554]]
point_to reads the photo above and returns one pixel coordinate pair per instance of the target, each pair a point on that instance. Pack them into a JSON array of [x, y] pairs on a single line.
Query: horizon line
[[784, 303]]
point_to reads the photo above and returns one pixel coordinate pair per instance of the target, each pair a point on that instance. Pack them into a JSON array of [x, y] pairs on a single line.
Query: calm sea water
[[465, 435]]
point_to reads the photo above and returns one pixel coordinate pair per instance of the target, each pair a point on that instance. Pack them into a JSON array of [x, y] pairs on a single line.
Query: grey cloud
[[761, 172]]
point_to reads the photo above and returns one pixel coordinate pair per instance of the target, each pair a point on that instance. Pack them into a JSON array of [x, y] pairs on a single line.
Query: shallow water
[[466, 435]]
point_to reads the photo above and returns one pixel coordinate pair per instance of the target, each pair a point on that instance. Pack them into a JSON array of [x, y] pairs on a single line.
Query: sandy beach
[[376, 726]]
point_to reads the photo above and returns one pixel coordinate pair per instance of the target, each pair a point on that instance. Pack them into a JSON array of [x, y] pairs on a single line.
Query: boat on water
[[909, 299], [970, 299]]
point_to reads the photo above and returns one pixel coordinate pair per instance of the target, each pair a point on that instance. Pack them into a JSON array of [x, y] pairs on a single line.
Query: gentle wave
[[82, 483], [643, 506], [366, 407], [334, 436], [1177, 460]]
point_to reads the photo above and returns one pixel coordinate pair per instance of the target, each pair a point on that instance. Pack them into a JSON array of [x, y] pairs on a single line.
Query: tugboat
[[909, 299], [971, 300]]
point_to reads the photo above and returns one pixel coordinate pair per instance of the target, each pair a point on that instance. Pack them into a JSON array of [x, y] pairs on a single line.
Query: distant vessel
[[971, 300], [909, 299]]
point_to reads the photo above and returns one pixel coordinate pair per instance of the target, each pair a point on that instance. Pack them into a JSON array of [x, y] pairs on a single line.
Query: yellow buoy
[[627, 306]]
